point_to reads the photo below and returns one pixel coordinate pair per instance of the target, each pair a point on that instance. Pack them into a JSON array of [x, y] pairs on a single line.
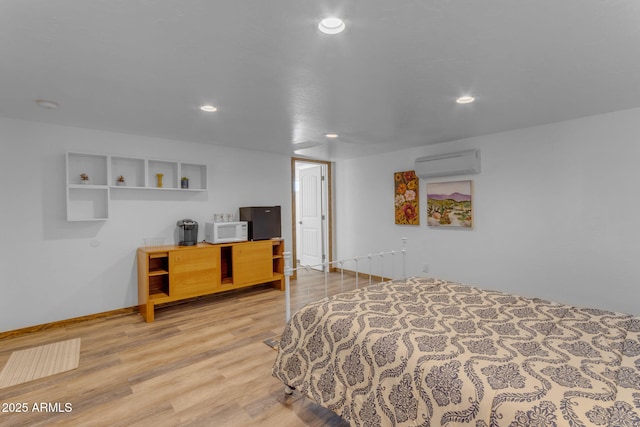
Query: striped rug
[[40, 362]]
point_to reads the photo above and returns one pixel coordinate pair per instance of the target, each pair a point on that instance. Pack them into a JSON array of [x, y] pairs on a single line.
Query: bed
[[423, 351]]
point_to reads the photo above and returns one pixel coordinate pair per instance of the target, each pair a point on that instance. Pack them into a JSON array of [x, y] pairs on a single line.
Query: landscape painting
[[449, 204]]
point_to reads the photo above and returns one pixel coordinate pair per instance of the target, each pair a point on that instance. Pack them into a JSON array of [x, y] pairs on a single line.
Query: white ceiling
[[389, 81]]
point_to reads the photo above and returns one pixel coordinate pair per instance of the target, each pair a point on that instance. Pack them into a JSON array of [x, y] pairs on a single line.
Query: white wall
[[51, 269], [555, 213]]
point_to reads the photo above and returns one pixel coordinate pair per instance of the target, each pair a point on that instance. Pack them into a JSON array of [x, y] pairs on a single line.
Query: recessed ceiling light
[[331, 135], [465, 99], [209, 108], [49, 105], [331, 26]]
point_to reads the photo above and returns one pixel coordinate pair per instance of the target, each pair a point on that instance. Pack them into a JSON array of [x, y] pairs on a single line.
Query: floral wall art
[[449, 204], [407, 205]]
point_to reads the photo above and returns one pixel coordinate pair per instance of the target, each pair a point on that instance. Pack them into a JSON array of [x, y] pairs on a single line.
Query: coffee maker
[[188, 232]]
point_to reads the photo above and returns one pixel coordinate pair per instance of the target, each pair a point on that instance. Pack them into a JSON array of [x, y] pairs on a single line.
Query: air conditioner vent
[[459, 163]]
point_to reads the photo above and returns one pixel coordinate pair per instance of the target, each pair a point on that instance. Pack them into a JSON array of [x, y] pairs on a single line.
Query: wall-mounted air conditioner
[[460, 163]]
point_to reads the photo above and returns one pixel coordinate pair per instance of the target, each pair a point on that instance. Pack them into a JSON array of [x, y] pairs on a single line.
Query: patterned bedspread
[[430, 352]]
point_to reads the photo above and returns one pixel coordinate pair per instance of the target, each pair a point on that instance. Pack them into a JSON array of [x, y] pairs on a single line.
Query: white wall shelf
[[94, 165], [90, 201], [196, 174], [131, 169], [169, 170], [87, 202]]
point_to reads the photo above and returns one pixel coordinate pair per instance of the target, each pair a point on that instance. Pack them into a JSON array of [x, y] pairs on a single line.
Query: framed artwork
[[407, 205], [449, 204]]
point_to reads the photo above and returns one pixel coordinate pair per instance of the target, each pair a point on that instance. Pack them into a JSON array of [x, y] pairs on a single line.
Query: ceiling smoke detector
[[49, 105]]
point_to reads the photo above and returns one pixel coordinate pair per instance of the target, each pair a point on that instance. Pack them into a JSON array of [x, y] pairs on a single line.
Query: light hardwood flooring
[[201, 363]]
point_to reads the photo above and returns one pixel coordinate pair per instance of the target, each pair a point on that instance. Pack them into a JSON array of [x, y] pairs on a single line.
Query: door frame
[[329, 177]]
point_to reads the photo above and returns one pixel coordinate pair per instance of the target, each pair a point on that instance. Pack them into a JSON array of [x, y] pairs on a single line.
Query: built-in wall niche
[[88, 199]]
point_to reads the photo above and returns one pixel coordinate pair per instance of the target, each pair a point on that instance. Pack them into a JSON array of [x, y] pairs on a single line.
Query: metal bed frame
[[326, 266]]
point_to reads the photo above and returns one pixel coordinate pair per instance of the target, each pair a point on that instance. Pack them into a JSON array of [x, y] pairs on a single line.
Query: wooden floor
[[201, 363]]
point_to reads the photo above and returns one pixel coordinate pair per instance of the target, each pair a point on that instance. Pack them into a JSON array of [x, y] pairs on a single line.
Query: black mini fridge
[[263, 221]]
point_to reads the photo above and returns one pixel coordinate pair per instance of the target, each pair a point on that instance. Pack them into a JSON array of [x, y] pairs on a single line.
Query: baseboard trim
[[129, 310], [362, 275], [66, 322]]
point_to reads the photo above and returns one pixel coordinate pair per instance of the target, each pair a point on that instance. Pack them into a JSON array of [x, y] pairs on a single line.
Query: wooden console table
[[173, 273]]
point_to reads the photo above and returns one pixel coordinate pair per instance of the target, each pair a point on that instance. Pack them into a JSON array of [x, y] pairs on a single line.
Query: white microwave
[[225, 232]]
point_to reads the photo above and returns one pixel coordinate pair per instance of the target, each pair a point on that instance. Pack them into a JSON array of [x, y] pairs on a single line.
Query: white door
[[310, 230]]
